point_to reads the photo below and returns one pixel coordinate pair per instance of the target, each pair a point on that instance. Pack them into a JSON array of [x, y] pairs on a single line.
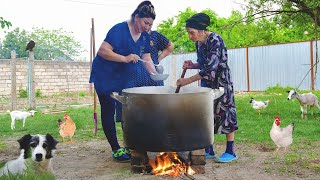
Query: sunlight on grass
[[28, 176]]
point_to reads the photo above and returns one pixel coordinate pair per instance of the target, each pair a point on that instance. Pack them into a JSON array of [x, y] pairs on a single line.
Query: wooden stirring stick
[[182, 76]]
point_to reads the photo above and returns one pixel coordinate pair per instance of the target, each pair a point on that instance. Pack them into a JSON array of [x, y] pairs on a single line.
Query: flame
[[169, 163]]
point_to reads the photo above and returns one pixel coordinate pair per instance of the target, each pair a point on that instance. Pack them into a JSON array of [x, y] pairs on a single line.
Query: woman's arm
[[188, 64], [106, 51], [149, 66], [186, 81], [166, 51]]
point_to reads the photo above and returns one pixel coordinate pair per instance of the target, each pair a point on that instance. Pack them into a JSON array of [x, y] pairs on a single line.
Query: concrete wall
[[51, 77]]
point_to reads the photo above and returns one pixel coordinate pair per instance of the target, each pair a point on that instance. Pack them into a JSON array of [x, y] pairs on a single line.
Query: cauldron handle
[[182, 76], [116, 96]]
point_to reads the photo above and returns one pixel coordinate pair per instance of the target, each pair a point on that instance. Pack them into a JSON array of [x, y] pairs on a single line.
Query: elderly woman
[[214, 73], [116, 67]]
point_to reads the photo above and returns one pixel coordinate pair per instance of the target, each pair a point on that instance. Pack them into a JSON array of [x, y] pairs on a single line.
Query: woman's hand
[[131, 58], [183, 81], [188, 64], [186, 81]]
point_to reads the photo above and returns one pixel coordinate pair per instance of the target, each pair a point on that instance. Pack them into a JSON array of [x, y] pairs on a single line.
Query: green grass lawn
[[253, 128]]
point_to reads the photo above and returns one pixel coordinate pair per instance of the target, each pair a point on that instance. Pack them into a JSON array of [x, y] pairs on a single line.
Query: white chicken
[[282, 137], [259, 105]]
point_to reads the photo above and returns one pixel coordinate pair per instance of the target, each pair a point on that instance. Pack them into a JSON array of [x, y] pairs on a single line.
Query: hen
[[282, 137], [67, 128], [259, 105]]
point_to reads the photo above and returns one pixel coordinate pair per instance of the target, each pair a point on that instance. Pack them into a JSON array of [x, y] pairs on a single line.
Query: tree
[[174, 29], [239, 30], [234, 34], [4, 23], [50, 44], [300, 17], [303, 15], [307, 9], [15, 40], [55, 44]]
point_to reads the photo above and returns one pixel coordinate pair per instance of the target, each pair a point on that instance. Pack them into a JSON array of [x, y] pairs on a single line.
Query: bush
[[23, 93], [38, 93], [278, 89], [82, 94]]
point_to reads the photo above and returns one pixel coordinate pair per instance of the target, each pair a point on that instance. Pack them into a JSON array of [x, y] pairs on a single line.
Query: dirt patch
[[92, 160]]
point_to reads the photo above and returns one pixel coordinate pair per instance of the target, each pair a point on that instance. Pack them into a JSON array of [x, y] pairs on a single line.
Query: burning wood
[[171, 164]]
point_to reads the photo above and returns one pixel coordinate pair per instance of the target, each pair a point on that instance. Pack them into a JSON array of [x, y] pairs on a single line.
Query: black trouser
[[107, 118]]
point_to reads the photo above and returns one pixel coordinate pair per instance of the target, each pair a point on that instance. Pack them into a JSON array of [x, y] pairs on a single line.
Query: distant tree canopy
[[50, 44], [240, 30]]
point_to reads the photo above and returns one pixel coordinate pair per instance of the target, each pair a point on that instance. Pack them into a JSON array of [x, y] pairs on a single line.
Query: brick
[[198, 160], [66, 76]]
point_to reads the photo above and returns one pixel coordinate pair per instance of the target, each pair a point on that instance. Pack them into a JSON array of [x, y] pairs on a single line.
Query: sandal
[[210, 156]]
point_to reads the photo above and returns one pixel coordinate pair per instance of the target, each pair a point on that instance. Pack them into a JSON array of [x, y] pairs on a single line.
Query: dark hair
[[198, 21], [144, 10]]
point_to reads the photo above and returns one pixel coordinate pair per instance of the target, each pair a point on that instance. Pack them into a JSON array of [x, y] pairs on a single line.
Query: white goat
[[305, 100], [20, 115]]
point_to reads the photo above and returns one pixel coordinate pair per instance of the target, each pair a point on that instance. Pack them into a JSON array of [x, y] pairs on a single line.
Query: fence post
[[32, 102], [13, 63], [311, 64], [247, 69]]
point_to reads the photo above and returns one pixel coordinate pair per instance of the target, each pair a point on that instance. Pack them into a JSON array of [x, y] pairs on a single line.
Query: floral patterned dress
[[212, 58]]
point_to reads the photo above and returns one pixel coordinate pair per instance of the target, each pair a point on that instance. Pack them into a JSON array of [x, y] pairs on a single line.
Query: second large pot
[[157, 119]]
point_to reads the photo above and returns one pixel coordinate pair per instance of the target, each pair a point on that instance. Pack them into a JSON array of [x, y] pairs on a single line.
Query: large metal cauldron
[[157, 119]]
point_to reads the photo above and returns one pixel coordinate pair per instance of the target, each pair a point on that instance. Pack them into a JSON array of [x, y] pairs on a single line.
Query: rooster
[[259, 105], [282, 137], [67, 128]]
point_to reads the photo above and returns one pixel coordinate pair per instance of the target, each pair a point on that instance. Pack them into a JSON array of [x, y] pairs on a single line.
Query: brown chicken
[[282, 137], [67, 128]]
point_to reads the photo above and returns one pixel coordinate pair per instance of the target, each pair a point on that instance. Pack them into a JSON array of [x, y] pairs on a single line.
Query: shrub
[[38, 93], [278, 89], [23, 93], [82, 94]]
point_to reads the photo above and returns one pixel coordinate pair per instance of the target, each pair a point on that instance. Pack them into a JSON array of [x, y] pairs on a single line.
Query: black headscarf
[[198, 21]]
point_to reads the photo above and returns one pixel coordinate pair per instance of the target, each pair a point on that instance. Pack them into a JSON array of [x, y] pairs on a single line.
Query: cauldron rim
[[154, 90]]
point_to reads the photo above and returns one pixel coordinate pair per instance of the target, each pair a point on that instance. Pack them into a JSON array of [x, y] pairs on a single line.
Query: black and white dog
[[36, 154]]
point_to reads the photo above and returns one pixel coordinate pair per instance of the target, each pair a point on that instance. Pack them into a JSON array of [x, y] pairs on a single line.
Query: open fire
[[171, 164]]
